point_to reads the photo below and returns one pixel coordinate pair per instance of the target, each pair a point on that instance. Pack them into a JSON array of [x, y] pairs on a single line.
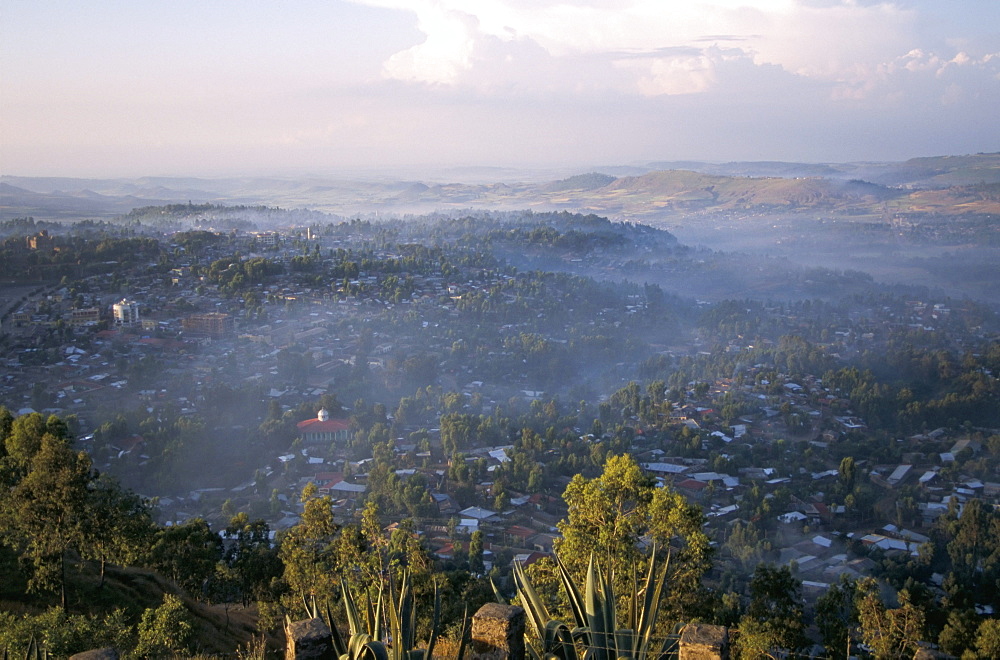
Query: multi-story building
[[126, 313], [86, 316], [268, 238], [212, 324]]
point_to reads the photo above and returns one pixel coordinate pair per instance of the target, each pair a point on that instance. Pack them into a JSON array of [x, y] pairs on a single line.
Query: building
[[126, 313], [87, 316], [268, 238], [42, 242], [212, 324], [323, 430]]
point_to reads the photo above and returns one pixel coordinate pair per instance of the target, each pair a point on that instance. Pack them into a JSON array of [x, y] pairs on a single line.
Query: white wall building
[[126, 313]]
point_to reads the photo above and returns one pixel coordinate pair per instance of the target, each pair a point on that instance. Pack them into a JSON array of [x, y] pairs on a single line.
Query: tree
[[890, 633], [974, 549], [24, 439], [773, 619], [988, 639], [609, 514], [308, 551], [165, 631], [44, 515], [836, 614], [187, 554], [747, 544], [61, 634], [476, 565], [6, 425], [120, 528], [959, 633], [251, 558], [847, 472]]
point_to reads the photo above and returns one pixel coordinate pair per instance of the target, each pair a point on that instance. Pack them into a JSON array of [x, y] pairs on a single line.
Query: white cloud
[[673, 75], [444, 54], [840, 41]]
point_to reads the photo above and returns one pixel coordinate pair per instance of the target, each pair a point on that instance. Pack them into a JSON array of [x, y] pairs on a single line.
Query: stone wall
[[309, 640], [497, 633]]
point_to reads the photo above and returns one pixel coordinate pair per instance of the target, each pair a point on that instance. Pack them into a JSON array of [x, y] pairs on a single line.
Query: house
[[899, 475], [543, 542], [323, 430], [665, 469], [692, 488], [792, 516], [517, 536], [526, 559], [483, 515]]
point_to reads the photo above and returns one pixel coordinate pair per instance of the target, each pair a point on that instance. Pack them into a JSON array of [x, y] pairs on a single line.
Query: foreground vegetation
[[61, 520]]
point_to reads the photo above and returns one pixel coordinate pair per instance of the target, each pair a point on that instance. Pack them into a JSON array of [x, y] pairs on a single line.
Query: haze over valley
[[666, 329], [924, 222]]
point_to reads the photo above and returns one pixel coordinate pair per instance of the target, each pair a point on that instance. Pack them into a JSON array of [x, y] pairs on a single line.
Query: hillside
[[218, 628], [683, 190]]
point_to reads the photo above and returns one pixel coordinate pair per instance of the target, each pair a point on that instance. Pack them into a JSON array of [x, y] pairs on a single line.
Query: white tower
[[322, 415]]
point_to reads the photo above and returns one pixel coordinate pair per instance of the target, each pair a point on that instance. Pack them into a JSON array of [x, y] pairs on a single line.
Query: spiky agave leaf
[[496, 592], [339, 645], [464, 642], [363, 647], [435, 622], [354, 622], [558, 642], [375, 619], [575, 599], [652, 597], [601, 635], [533, 605], [406, 615]]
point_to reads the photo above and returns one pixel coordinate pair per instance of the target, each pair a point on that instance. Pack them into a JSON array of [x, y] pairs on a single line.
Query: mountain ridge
[[851, 188]]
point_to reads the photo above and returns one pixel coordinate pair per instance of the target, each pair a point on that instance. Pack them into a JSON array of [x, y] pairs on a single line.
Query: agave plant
[[385, 629], [596, 631], [33, 652], [388, 629]]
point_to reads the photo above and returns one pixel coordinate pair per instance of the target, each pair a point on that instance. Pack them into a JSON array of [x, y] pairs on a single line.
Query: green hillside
[[217, 628]]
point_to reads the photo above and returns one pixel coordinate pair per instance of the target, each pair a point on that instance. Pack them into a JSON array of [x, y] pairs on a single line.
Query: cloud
[[673, 74], [928, 77], [830, 41], [445, 52], [876, 53]]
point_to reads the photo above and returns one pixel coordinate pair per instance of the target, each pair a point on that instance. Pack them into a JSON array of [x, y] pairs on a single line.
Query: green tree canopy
[[614, 516], [773, 619], [187, 554], [44, 514]]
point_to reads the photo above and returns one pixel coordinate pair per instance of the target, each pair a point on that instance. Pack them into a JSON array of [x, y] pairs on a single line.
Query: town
[[410, 372]]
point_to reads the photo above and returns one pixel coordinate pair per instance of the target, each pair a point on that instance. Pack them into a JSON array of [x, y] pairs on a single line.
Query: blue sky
[[205, 87]]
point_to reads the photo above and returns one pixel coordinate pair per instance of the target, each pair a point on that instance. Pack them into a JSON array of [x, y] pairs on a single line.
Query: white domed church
[[323, 430]]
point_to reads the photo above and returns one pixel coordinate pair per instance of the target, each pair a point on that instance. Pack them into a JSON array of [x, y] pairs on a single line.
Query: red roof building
[[323, 430]]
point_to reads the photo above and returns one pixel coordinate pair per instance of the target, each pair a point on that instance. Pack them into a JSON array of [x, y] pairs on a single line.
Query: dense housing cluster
[[303, 403]]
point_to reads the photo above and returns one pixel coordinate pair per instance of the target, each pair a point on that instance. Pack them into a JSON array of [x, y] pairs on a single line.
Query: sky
[[213, 88]]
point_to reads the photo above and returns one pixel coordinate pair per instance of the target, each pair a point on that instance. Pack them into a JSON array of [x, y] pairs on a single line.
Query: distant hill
[[942, 171], [685, 191], [588, 181], [686, 187], [19, 202], [923, 172], [754, 168]]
